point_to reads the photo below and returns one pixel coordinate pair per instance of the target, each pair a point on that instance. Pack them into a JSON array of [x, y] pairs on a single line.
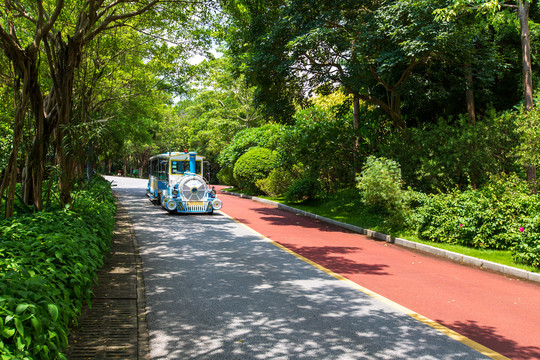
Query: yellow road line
[[435, 325]]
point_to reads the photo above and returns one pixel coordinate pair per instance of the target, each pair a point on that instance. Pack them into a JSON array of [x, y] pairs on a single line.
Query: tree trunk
[[9, 180], [523, 14], [469, 94]]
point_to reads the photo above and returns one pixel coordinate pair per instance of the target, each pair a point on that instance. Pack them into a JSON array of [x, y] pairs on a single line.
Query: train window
[[198, 166], [162, 172], [177, 167], [153, 168]]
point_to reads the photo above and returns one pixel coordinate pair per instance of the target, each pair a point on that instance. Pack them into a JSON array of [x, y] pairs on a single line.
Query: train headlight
[[216, 204], [175, 192], [170, 205]]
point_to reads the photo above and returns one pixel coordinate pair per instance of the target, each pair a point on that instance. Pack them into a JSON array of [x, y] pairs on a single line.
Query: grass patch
[[347, 206]]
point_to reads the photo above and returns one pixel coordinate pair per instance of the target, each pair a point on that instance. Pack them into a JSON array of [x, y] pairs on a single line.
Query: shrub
[[468, 154], [254, 165], [324, 143], [303, 190], [267, 136], [526, 247], [381, 185], [48, 263], [226, 176], [486, 218], [277, 182]]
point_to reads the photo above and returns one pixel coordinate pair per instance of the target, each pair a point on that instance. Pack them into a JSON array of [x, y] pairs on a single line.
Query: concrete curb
[[463, 259], [143, 344]]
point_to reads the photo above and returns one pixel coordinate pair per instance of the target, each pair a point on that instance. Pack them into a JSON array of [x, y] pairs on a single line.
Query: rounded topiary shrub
[[254, 165]]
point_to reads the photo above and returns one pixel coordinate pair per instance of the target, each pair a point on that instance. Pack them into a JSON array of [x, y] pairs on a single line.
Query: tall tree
[[62, 31], [522, 8]]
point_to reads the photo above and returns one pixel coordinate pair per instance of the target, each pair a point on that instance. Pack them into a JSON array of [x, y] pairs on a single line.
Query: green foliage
[[254, 165], [267, 136], [278, 182], [526, 249], [380, 183], [48, 263], [469, 152], [5, 142], [486, 218], [303, 190], [226, 176], [322, 143], [528, 130]]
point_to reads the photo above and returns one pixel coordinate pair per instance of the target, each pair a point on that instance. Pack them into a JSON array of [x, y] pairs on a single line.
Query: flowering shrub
[[497, 216], [526, 247]]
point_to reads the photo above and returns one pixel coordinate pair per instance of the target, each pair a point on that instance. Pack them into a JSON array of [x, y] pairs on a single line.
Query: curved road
[[215, 289]]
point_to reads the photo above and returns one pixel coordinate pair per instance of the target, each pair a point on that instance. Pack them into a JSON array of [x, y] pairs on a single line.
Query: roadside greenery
[[48, 264]]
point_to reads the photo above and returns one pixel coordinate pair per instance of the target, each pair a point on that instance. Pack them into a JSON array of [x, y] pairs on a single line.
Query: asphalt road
[[217, 290]]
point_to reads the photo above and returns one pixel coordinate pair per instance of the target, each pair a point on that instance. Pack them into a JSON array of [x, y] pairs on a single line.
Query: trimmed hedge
[[254, 165], [48, 264]]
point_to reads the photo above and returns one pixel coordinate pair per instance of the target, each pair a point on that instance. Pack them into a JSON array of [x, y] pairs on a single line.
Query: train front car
[[187, 191]]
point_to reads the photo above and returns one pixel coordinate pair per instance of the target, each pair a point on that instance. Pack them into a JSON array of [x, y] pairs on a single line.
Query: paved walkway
[[115, 326]]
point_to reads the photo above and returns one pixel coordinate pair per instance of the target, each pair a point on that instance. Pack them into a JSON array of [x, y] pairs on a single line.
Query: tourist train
[[176, 182]]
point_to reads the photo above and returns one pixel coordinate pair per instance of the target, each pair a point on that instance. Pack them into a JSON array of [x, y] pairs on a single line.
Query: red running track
[[497, 311]]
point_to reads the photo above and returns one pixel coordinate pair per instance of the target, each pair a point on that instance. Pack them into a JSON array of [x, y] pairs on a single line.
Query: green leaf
[[19, 326], [8, 332], [21, 308], [36, 323], [53, 311], [58, 255]]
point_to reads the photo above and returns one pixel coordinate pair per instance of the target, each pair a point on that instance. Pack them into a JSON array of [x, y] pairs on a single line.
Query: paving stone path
[[114, 327]]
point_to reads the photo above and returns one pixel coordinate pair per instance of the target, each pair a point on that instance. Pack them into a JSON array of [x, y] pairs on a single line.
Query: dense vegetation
[[421, 112], [48, 264]]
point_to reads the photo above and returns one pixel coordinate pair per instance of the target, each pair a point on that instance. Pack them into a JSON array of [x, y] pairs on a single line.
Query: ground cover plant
[[48, 263]]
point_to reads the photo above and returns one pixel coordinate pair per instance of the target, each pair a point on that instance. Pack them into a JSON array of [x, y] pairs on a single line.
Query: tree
[[489, 7], [369, 48], [61, 33]]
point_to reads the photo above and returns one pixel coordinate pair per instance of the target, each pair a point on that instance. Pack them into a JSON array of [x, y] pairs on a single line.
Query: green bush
[[304, 189], [254, 165], [277, 182], [526, 249], [48, 263], [486, 218], [324, 143], [380, 184], [226, 176], [267, 136], [468, 154]]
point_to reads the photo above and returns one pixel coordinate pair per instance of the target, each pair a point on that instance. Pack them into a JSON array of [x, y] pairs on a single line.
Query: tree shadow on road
[[332, 257], [488, 336]]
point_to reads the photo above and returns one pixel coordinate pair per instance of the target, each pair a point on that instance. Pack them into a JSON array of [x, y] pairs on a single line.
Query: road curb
[[143, 344], [450, 255]]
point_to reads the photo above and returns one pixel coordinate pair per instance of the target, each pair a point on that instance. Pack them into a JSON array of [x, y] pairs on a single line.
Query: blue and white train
[[176, 182]]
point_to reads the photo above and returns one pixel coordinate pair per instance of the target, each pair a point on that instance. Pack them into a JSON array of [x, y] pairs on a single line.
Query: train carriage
[[176, 182]]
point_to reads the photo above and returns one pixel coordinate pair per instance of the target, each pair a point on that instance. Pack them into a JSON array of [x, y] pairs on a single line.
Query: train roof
[[177, 155]]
